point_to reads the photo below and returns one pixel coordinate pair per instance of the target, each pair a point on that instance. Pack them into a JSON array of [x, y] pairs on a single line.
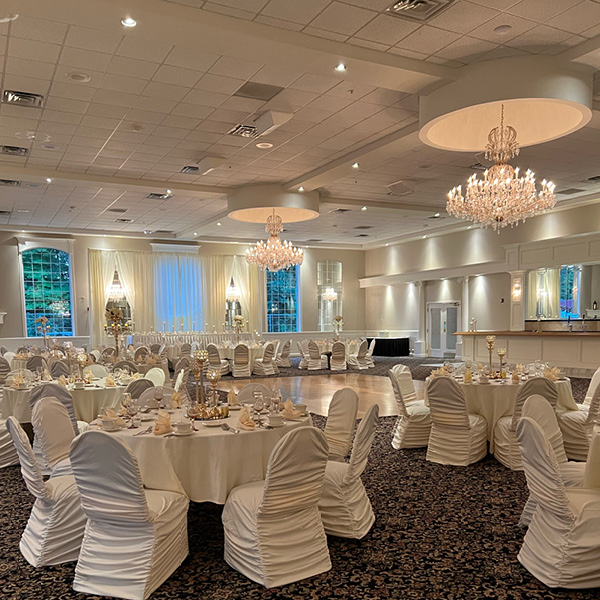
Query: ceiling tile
[[233, 67], [120, 83], [40, 30], [189, 59], [464, 48], [535, 39], [26, 84], [386, 30], [297, 12], [33, 68], [219, 83], [314, 83], [91, 39], [85, 59], [463, 16], [205, 98], [77, 92], [177, 76], [131, 67], [192, 111], [578, 18], [154, 104], [279, 23], [343, 18], [32, 50], [144, 49], [486, 31], [325, 33], [175, 93], [428, 40]]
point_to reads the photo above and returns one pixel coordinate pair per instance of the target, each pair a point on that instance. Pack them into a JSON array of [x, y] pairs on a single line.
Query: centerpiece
[[238, 325], [117, 326], [338, 321], [490, 340], [200, 358], [43, 328]]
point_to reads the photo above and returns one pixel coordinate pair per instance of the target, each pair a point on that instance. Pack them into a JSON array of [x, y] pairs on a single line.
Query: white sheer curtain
[[250, 280], [102, 269], [178, 291], [136, 274], [543, 294], [216, 274]]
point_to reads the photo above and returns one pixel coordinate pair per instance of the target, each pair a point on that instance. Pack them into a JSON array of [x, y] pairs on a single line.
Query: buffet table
[[391, 346]]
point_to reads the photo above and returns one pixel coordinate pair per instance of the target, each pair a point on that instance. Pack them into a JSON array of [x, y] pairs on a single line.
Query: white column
[[421, 343], [517, 300], [464, 305]]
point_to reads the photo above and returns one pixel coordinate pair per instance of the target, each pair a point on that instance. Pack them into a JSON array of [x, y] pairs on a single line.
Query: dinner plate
[[215, 423], [183, 433], [147, 417], [111, 429], [236, 407]]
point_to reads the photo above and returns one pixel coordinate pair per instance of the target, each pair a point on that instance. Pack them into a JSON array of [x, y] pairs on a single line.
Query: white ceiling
[[156, 103]]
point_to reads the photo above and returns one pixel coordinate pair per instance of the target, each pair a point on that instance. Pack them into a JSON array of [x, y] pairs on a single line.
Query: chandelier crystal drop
[[274, 254], [501, 198], [330, 295]]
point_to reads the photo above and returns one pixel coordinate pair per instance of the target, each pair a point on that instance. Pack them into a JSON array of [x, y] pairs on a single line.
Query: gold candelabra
[[200, 357], [43, 328], [213, 375], [501, 354], [117, 326], [491, 342]]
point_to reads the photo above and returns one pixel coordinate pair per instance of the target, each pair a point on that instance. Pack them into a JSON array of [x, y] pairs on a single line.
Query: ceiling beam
[[404, 207]]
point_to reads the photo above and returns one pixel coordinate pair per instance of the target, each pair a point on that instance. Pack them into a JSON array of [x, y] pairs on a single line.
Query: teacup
[[301, 407], [23, 385], [182, 426], [109, 423], [483, 379], [79, 385], [275, 420]]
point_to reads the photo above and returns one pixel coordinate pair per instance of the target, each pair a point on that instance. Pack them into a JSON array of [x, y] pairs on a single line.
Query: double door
[[442, 324]]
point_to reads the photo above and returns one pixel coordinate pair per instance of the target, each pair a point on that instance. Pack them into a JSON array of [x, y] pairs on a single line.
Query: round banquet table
[[495, 400], [253, 354], [15, 403], [18, 364], [207, 464], [327, 345]]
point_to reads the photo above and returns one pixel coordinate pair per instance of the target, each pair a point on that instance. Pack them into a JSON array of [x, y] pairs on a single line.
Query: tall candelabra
[[491, 342], [200, 357], [117, 326], [44, 329]]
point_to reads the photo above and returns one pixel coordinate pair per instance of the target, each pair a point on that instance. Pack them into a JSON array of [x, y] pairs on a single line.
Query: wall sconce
[[517, 290]]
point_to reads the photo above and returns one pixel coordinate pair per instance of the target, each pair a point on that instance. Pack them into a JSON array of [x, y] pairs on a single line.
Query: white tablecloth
[[496, 400], [351, 346], [15, 403], [209, 463], [18, 364], [253, 354]]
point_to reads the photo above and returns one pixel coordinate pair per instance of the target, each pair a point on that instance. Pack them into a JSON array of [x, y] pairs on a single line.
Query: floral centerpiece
[[43, 328], [338, 322], [117, 325], [238, 325]]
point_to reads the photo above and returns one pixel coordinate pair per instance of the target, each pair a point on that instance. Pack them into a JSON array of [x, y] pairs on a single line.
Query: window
[[282, 300], [569, 291], [47, 285], [329, 281]]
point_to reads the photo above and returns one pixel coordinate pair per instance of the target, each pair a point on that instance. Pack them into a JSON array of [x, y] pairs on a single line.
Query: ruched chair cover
[[341, 421], [54, 433], [55, 527], [338, 357], [4, 369], [577, 428], [457, 437], [241, 361], [246, 394], [283, 360], [345, 507], [264, 366], [186, 349], [99, 371], [9, 356], [315, 360], [413, 425], [147, 396], [183, 363], [96, 354], [155, 348], [303, 356], [594, 384], [3, 350], [359, 360], [273, 529], [506, 449], [140, 353], [561, 547], [59, 368], [125, 365], [108, 352], [8, 453], [369, 356], [156, 375], [35, 362], [536, 407], [134, 538], [215, 361], [137, 387]]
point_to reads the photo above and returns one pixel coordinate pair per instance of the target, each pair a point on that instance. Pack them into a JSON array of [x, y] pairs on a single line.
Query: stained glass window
[[569, 291], [47, 282], [282, 300]]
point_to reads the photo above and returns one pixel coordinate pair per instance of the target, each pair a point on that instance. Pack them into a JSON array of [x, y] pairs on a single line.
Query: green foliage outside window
[[282, 300], [47, 281]]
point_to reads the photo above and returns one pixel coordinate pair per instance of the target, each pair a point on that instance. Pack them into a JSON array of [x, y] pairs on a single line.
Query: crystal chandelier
[[501, 198], [274, 254], [233, 293], [330, 295], [116, 292]]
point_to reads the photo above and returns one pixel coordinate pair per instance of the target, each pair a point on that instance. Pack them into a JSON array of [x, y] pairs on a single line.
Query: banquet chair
[[134, 538], [137, 387], [457, 437], [96, 354], [273, 530], [186, 349], [155, 348], [3, 350], [369, 355], [4, 369], [341, 420], [506, 449], [10, 356], [283, 360], [359, 360], [62, 394], [140, 354], [22, 350], [183, 363], [246, 394], [8, 453], [26, 373], [156, 375], [338, 356], [241, 361], [413, 425], [54, 433], [108, 352], [276, 345], [99, 371], [316, 362], [35, 362], [55, 527], [577, 426], [561, 547], [536, 407], [58, 368], [303, 355], [344, 506], [148, 395], [215, 361], [126, 365], [264, 366]]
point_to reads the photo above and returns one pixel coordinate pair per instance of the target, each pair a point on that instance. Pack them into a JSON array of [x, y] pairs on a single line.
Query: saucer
[[215, 423], [147, 417], [182, 433], [236, 407], [111, 429], [273, 424]]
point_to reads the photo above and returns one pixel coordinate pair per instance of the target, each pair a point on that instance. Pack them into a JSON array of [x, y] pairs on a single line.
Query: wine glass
[[259, 404], [131, 408], [39, 373], [158, 396], [275, 402]]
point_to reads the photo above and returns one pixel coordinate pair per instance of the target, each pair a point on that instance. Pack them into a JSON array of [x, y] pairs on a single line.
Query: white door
[[443, 323]]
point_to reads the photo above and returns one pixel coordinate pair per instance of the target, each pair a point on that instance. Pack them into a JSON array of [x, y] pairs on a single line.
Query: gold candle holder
[[214, 376], [200, 358], [82, 362], [491, 342], [501, 354]]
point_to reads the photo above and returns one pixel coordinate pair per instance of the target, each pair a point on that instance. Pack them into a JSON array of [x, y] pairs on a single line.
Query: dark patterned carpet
[[441, 533]]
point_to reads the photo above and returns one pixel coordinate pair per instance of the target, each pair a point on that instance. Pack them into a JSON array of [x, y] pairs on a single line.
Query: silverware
[[226, 427], [144, 431]]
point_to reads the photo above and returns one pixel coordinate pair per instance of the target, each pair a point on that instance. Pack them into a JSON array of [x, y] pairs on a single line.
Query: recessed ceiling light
[[128, 22], [195, 233], [169, 192], [470, 227], [424, 237], [22, 231], [355, 166], [300, 189], [22, 210], [387, 244], [437, 215], [364, 208], [341, 67], [9, 18], [502, 29], [79, 77], [424, 166], [48, 180], [264, 145], [219, 224], [50, 147]]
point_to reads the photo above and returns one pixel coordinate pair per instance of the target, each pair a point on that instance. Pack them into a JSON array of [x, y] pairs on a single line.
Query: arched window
[[47, 284]]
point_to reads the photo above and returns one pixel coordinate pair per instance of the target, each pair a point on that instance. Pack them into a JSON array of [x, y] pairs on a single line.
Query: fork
[[226, 427], [144, 431]]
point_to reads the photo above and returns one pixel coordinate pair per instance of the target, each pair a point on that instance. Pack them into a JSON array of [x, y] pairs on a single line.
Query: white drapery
[[216, 274], [250, 280], [543, 294], [102, 269]]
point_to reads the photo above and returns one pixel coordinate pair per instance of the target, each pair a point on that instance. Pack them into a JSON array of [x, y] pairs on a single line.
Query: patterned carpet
[[441, 533]]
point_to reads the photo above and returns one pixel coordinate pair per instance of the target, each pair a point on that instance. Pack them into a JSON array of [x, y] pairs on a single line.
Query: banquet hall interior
[[300, 299]]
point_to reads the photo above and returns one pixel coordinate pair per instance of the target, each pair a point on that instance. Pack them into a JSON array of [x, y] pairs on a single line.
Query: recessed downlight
[[364, 208], [503, 29], [219, 224], [355, 165], [170, 192], [424, 237], [79, 77], [341, 67], [195, 233], [300, 189], [264, 145], [50, 147], [48, 180], [128, 22]]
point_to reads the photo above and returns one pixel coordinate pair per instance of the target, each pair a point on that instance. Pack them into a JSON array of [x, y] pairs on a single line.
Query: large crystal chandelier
[[330, 295], [501, 198], [233, 293], [274, 254]]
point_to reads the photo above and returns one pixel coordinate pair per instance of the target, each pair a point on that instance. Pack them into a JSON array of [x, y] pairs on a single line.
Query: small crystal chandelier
[[330, 295], [116, 293], [501, 198], [274, 254], [233, 293]]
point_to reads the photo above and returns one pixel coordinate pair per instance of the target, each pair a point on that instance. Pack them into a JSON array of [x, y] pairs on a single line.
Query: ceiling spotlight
[[128, 22], [147, 232], [79, 77], [424, 237], [437, 215], [195, 233], [170, 192], [300, 189], [355, 166], [48, 180], [219, 224], [341, 67], [387, 244], [364, 208], [502, 29], [264, 145]]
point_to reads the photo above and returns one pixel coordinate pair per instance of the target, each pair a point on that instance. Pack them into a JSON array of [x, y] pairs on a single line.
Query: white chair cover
[[536, 407], [315, 360], [96, 354], [561, 547], [241, 361], [594, 383], [215, 361], [578, 427], [4, 369], [147, 396], [359, 360], [506, 449], [125, 365], [273, 531], [186, 349], [108, 351], [246, 394], [9, 356], [137, 387], [99, 371], [59, 368], [135, 538], [156, 375], [56, 523], [413, 426], [283, 360], [8, 453], [303, 356], [369, 355], [140, 353], [338, 356], [341, 421], [457, 437], [345, 507], [264, 366], [33, 362]]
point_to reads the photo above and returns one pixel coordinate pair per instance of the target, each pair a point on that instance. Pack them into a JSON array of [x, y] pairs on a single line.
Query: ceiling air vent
[[14, 150], [314, 240], [399, 188], [570, 191], [5, 213], [22, 99], [162, 232], [190, 170], [594, 179], [362, 235], [155, 196], [117, 210], [478, 167], [204, 165], [339, 210], [247, 131], [122, 220], [418, 10], [258, 91], [364, 227], [10, 182]]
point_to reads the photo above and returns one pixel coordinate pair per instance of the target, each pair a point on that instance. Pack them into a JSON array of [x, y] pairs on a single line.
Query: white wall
[[394, 308], [489, 301]]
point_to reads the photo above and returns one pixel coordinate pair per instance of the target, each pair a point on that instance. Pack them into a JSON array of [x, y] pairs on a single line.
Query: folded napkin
[[162, 424], [88, 376], [110, 381], [553, 373], [440, 373], [17, 380], [468, 376], [62, 380], [47, 376], [178, 381], [245, 420], [111, 414], [136, 376], [289, 412], [515, 377], [175, 400], [232, 398]]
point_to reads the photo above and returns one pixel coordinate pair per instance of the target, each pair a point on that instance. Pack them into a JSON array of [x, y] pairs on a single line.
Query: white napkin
[[175, 400], [163, 423], [245, 420], [110, 381], [289, 412], [111, 414], [62, 380], [232, 398]]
